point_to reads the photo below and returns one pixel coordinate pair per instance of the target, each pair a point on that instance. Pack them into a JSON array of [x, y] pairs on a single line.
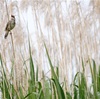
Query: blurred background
[[69, 28]]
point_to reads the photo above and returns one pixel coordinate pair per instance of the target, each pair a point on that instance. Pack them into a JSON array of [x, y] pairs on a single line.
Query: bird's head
[[12, 17]]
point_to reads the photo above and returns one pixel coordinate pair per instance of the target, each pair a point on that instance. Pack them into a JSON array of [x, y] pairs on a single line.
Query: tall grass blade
[[94, 78], [60, 91], [32, 76]]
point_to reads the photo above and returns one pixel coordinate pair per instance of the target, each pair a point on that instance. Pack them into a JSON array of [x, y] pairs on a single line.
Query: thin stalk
[[11, 41]]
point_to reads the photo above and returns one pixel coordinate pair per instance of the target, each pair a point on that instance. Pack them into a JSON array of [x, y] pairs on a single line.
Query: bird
[[10, 25]]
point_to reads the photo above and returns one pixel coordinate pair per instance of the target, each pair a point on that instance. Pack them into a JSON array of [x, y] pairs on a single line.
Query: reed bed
[[53, 52]]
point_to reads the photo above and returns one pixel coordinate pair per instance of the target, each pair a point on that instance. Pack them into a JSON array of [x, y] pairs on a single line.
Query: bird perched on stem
[[10, 25]]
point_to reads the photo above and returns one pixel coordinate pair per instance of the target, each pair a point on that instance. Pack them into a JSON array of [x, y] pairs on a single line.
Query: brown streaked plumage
[[10, 25]]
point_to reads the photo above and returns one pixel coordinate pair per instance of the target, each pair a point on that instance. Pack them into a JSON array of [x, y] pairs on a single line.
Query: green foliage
[[60, 91], [80, 87], [31, 87], [51, 88]]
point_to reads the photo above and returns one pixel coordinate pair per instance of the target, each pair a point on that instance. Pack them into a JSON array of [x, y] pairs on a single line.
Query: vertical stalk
[[12, 46]]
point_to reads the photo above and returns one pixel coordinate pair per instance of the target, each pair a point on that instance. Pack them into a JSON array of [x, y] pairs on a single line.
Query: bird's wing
[[8, 26]]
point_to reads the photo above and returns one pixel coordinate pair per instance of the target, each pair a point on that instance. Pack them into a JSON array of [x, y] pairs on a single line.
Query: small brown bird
[[10, 25]]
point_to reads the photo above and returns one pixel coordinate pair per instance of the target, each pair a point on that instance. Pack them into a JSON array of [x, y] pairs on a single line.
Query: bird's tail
[[6, 34]]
